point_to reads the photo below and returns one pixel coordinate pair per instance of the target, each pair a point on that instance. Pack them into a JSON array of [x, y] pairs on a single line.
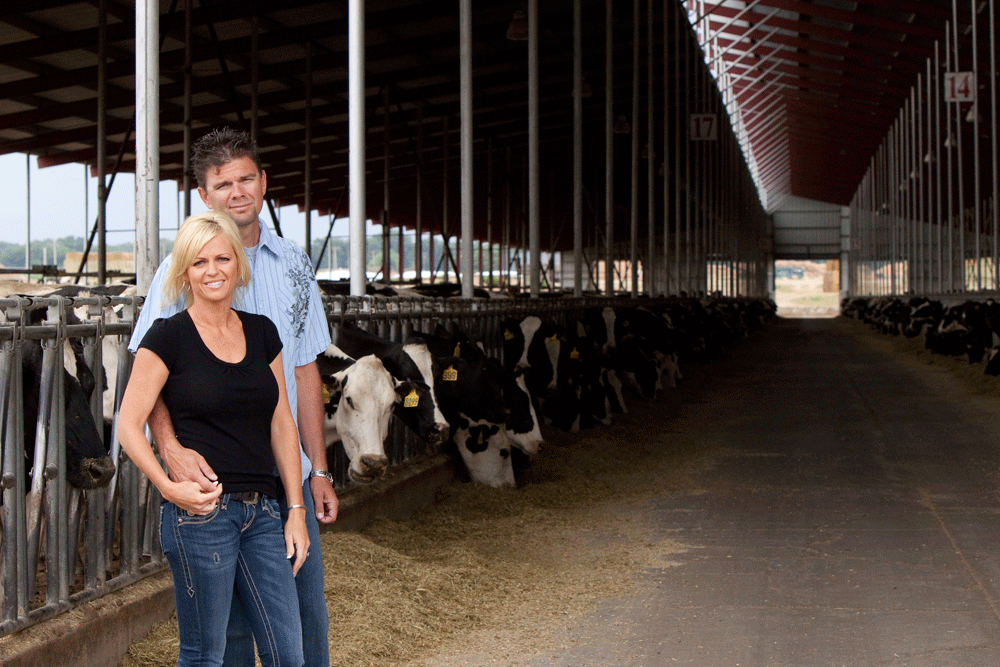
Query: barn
[[599, 416]]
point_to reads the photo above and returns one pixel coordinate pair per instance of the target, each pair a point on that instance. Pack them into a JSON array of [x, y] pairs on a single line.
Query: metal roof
[[842, 71]]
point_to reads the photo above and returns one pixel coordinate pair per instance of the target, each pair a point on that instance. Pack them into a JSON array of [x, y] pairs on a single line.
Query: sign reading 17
[[959, 87], [704, 127]]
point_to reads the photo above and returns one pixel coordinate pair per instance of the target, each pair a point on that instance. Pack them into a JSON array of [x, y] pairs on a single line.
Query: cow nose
[[99, 471], [374, 463]]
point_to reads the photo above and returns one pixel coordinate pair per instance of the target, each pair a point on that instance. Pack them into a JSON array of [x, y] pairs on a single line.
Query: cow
[[410, 361], [522, 425], [533, 343], [485, 451], [466, 381], [362, 395]]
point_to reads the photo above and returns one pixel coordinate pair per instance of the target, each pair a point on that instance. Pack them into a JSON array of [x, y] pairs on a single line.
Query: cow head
[[88, 465], [522, 424], [485, 451], [362, 398], [431, 424]]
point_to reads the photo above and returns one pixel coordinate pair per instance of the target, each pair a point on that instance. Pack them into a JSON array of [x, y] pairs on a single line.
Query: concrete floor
[[857, 522]]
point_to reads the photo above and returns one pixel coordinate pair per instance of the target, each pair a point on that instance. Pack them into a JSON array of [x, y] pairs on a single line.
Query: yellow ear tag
[[326, 394], [553, 338], [449, 374], [411, 399], [480, 437], [574, 354], [507, 335], [458, 350]]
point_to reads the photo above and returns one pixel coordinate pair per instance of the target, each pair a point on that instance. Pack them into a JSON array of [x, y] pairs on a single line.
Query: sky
[[63, 202]]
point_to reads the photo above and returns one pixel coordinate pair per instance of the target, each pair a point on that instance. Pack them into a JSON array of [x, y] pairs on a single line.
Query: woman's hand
[[189, 496], [296, 538]]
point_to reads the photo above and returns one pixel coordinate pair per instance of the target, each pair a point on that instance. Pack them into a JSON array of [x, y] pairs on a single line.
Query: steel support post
[[534, 175], [386, 220], [577, 150], [609, 144], [307, 165], [649, 266], [634, 203], [147, 143], [356, 137]]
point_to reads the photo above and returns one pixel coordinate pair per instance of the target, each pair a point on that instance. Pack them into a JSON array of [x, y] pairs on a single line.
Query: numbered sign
[[704, 127], [959, 87]]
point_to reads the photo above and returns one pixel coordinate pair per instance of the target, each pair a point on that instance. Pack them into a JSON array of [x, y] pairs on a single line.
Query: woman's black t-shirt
[[222, 410]]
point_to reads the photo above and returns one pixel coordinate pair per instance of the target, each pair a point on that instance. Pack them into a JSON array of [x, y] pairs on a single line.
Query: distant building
[[120, 262]]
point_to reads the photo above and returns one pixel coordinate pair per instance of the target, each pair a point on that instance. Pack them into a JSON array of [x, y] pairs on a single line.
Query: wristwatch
[[321, 473]]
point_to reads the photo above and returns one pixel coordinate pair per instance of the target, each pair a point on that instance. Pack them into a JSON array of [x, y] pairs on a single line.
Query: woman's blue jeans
[[312, 604], [237, 549]]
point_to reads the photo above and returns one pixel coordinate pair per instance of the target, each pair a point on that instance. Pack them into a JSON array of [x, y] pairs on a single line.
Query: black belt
[[249, 497]]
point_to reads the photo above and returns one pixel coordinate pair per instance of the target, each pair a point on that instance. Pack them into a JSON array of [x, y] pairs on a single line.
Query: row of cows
[[969, 329], [572, 373], [443, 386]]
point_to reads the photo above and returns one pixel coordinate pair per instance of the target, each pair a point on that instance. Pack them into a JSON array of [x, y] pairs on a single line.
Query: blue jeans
[[312, 604], [234, 553]]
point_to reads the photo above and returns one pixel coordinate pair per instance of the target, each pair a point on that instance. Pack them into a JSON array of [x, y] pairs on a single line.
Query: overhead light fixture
[[621, 125], [517, 31]]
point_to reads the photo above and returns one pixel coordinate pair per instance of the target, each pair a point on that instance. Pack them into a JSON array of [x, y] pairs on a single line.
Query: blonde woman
[[220, 374]]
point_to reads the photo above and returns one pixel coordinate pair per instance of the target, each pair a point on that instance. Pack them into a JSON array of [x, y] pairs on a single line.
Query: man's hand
[[325, 499], [187, 465]]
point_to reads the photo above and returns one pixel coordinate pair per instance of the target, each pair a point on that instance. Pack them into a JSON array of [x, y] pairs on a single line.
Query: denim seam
[[265, 618]]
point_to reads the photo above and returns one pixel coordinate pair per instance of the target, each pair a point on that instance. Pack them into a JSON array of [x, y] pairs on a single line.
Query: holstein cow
[[411, 362], [477, 396], [485, 451], [362, 395]]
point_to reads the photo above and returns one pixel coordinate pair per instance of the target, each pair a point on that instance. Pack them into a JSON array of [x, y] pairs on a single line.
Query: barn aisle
[[850, 517]]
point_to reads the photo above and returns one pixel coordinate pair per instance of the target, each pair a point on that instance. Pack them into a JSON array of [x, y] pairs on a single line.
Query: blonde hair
[[193, 235]]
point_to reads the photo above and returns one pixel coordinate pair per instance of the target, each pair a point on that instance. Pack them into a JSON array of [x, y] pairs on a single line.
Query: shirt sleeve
[[272, 341], [153, 307], [160, 340]]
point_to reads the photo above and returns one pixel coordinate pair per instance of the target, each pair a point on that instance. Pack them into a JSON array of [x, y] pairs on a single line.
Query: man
[[230, 179]]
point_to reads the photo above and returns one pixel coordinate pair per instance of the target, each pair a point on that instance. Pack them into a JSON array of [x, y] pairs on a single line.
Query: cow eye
[[350, 402]]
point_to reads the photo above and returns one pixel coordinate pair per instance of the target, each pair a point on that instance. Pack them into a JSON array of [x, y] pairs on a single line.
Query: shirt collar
[[268, 239]]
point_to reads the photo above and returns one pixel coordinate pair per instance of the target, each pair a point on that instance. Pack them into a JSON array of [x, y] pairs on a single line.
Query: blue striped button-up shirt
[[283, 288]]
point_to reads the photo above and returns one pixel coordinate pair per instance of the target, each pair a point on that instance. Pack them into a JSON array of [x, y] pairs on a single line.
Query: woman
[[219, 372]]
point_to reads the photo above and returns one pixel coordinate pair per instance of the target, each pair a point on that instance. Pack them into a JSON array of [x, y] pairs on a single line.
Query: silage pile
[[500, 570]]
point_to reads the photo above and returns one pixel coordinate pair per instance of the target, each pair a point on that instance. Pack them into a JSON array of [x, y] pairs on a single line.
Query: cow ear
[[406, 393], [331, 389]]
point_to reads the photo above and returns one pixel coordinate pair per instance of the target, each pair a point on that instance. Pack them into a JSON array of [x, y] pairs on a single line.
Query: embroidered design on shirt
[[300, 274]]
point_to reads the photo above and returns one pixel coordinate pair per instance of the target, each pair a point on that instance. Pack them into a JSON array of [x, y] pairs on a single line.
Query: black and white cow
[[362, 396], [485, 451], [411, 362]]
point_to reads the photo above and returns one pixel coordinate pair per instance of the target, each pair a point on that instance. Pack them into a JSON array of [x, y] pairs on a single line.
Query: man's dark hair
[[218, 147]]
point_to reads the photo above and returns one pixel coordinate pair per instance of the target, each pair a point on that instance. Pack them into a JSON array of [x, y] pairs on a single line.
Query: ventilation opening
[[807, 288]]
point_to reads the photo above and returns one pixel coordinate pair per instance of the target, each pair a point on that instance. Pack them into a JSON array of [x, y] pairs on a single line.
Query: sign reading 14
[[959, 87]]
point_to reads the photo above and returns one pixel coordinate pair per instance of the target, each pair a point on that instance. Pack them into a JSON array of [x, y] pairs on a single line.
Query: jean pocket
[[184, 517], [271, 506]]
